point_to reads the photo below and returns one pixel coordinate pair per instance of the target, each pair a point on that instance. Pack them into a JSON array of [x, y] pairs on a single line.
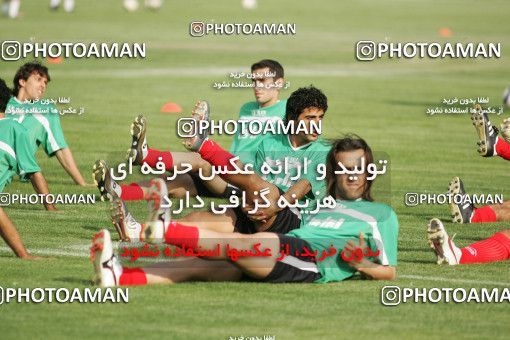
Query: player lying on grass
[[356, 225], [267, 76], [465, 212], [43, 125], [493, 249], [16, 158], [305, 104]]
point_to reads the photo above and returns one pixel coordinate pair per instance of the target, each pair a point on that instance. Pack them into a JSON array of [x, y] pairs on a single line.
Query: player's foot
[[125, 224], [157, 199], [446, 251], [106, 265], [461, 212], [139, 148], [505, 129], [200, 112], [487, 134], [108, 188]]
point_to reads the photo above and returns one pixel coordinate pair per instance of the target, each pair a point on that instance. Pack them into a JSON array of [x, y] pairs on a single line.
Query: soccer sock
[[483, 214], [132, 192], [216, 155], [132, 277], [181, 235], [153, 157], [495, 248], [502, 148]]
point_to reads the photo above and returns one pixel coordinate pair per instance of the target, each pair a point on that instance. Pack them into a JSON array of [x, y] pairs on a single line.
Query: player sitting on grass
[[16, 157], [267, 76], [495, 248], [320, 251], [465, 212], [41, 120], [305, 104]]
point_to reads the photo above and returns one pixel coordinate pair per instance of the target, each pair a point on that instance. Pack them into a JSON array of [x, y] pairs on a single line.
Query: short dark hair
[[304, 98], [26, 71], [5, 95], [349, 142], [273, 66]]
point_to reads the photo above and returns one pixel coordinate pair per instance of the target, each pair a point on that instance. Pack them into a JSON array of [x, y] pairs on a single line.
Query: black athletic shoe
[[139, 148], [103, 180], [462, 212], [487, 134]]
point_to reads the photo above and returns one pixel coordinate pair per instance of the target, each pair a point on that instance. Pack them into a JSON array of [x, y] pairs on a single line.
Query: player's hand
[[354, 251]]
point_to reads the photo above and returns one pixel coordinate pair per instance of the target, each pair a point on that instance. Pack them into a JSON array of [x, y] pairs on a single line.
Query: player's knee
[[180, 186]]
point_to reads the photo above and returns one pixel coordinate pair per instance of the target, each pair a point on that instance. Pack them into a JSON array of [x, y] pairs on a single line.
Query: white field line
[[82, 250]]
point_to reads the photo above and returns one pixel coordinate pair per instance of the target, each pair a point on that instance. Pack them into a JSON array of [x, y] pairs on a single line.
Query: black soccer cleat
[[139, 148], [487, 134], [461, 212], [103, 180]]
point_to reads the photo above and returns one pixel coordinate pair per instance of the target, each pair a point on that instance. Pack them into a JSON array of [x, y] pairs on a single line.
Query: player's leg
[[217, 156], [110, 272], [140, 153], [492, 249], [489, 144], [11, 236], [463, 211]]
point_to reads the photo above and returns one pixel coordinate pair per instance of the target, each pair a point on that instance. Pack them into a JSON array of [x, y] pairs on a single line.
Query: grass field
[[384, 101]]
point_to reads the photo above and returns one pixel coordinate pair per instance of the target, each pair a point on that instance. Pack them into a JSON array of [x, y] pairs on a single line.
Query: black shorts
[[203, 191], [285, 221], [294, 268]]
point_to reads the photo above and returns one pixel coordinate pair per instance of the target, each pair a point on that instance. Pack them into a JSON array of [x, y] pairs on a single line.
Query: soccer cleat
[[125, 224], [461, 212], [505, 129], [139, 148], [201, 112], [487, 134], [446, 251], [108, 188], [157, 199], [106, 265]]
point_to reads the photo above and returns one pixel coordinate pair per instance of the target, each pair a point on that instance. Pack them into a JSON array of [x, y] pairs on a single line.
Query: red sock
[[495, 248], [132, 192], [503, 148], [154, 155], [483, 214], [132, 277], [182, 235], [216, 155]]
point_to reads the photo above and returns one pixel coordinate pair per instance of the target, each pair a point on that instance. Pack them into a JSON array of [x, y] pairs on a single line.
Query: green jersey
[[42, 122], [16, 156], [333, 227], [245, 145], [276, 151]]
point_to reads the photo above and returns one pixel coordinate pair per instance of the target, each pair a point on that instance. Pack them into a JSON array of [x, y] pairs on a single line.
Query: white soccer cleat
[[201, 112], [157, 199], [125, 224], [106, 265], [131, 5], [446, 251]]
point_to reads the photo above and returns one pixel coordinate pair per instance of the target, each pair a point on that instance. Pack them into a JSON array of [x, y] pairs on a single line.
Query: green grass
[[383, 101]]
